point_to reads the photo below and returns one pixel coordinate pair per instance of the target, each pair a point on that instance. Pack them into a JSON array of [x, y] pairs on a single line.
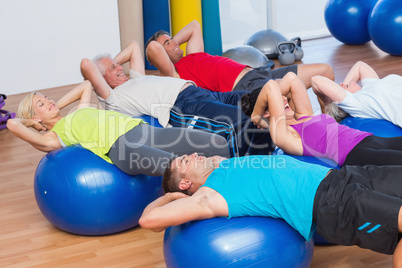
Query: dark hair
[[155, 36], [248, 101], [171, 179]]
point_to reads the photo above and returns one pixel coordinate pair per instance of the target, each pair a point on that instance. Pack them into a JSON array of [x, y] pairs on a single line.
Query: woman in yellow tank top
[[129, 143]]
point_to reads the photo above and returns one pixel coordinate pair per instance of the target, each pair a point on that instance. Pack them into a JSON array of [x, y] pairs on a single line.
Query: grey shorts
[[258, 77], [360, 206]]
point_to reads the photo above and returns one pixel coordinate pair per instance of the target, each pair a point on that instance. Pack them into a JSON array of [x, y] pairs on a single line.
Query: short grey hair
[[155, 36], [97, 60], [334, 111]]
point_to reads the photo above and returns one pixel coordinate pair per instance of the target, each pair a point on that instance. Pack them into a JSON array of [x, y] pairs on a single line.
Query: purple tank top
[[322, 136]]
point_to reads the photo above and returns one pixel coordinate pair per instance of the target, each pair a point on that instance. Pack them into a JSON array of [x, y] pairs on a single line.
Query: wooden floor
[[27, 239]]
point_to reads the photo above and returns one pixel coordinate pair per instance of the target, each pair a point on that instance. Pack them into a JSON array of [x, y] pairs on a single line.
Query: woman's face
[[288, 110], [43, 107]]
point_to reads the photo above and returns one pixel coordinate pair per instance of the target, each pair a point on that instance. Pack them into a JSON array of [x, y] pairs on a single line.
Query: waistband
[[321, 188]]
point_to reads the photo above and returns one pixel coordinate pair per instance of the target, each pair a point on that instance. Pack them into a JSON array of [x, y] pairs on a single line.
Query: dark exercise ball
[[248, 55], [266, 41]]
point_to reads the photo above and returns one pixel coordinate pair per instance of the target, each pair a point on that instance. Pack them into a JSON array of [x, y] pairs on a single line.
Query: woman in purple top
[[284, 106]]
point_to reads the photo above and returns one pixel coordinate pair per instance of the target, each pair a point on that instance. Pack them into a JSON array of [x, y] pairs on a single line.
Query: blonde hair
[[25, 107], [334, 111]]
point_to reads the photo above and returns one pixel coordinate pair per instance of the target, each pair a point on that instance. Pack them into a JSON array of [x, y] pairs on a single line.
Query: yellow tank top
[[94, 129]]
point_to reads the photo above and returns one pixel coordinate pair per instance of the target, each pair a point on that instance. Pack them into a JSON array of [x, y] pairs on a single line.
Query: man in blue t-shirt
[[350, 206]]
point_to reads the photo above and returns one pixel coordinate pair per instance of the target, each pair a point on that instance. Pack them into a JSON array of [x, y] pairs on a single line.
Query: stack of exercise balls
[[355, 22]]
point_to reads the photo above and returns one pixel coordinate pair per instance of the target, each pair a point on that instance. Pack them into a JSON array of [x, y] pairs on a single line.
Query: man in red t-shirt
[[216, 73]]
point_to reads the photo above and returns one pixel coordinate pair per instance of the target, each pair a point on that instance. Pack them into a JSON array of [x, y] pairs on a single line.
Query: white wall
[[301, 18], [43, 41], [241, 18]]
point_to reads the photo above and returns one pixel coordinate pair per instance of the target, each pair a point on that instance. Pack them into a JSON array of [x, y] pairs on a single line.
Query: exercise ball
[[379, 127], [236, 242], [347, 20], [310, 159], [81, 193], [266, 41], [150, 120], [385, 26], [319, 240], [248, 55]]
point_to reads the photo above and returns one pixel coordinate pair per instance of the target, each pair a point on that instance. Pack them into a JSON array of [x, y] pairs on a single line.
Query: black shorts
[[258, 77], [360, 206], [379, 151]]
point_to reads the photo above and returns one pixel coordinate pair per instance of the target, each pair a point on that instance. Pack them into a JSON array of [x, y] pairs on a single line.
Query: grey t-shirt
[[145, 94], [378, 98]]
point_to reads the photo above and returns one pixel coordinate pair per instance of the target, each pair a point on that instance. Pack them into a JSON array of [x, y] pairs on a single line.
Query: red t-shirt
[[214, 73]]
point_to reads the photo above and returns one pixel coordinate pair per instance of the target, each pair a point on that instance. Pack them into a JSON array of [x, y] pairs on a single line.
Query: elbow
[[150, 223], [85, 65], [152, 49], [195, 23], [11, 125], [133, 43]]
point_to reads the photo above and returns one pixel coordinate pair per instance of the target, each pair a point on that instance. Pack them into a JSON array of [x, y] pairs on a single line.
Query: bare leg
[[397, 261], [307, 71]]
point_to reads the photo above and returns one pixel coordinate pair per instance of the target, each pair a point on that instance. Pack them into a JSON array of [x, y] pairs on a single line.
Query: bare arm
[[327, 90], [158, 57], [178, 208], [91, 72], [132, 54], [192, 34], [82, 92], [294, 89], [20, 128], [271, 95], [360, 71]]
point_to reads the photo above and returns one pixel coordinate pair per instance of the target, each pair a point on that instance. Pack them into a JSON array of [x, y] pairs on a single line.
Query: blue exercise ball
[[236, 242], [347, 20], [319, 240], [385, 26], [150, 120], [310, 159], [379, 127], [80, 193]]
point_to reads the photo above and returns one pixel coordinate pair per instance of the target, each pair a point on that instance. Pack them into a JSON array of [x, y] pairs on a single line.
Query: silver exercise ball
[[247, 55], [266, 41]]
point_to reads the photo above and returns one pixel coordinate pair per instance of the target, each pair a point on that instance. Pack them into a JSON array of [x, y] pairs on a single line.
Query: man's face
[[171, 47], [193, 166], [114, 74]]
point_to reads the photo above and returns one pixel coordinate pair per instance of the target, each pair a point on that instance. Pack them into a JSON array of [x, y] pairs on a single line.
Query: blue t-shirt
[[272, 186]]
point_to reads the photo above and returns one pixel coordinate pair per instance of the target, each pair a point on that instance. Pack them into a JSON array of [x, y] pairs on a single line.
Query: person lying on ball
[[216, 73], [173, 101], [296, 130], [349, 206], [375, 98], [132, 145]]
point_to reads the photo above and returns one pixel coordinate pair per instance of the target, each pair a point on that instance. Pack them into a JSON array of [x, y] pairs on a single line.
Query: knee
[[221, 146], [328, 71]]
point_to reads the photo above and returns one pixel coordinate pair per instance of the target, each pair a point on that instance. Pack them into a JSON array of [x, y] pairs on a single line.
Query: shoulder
[[212, 201]]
